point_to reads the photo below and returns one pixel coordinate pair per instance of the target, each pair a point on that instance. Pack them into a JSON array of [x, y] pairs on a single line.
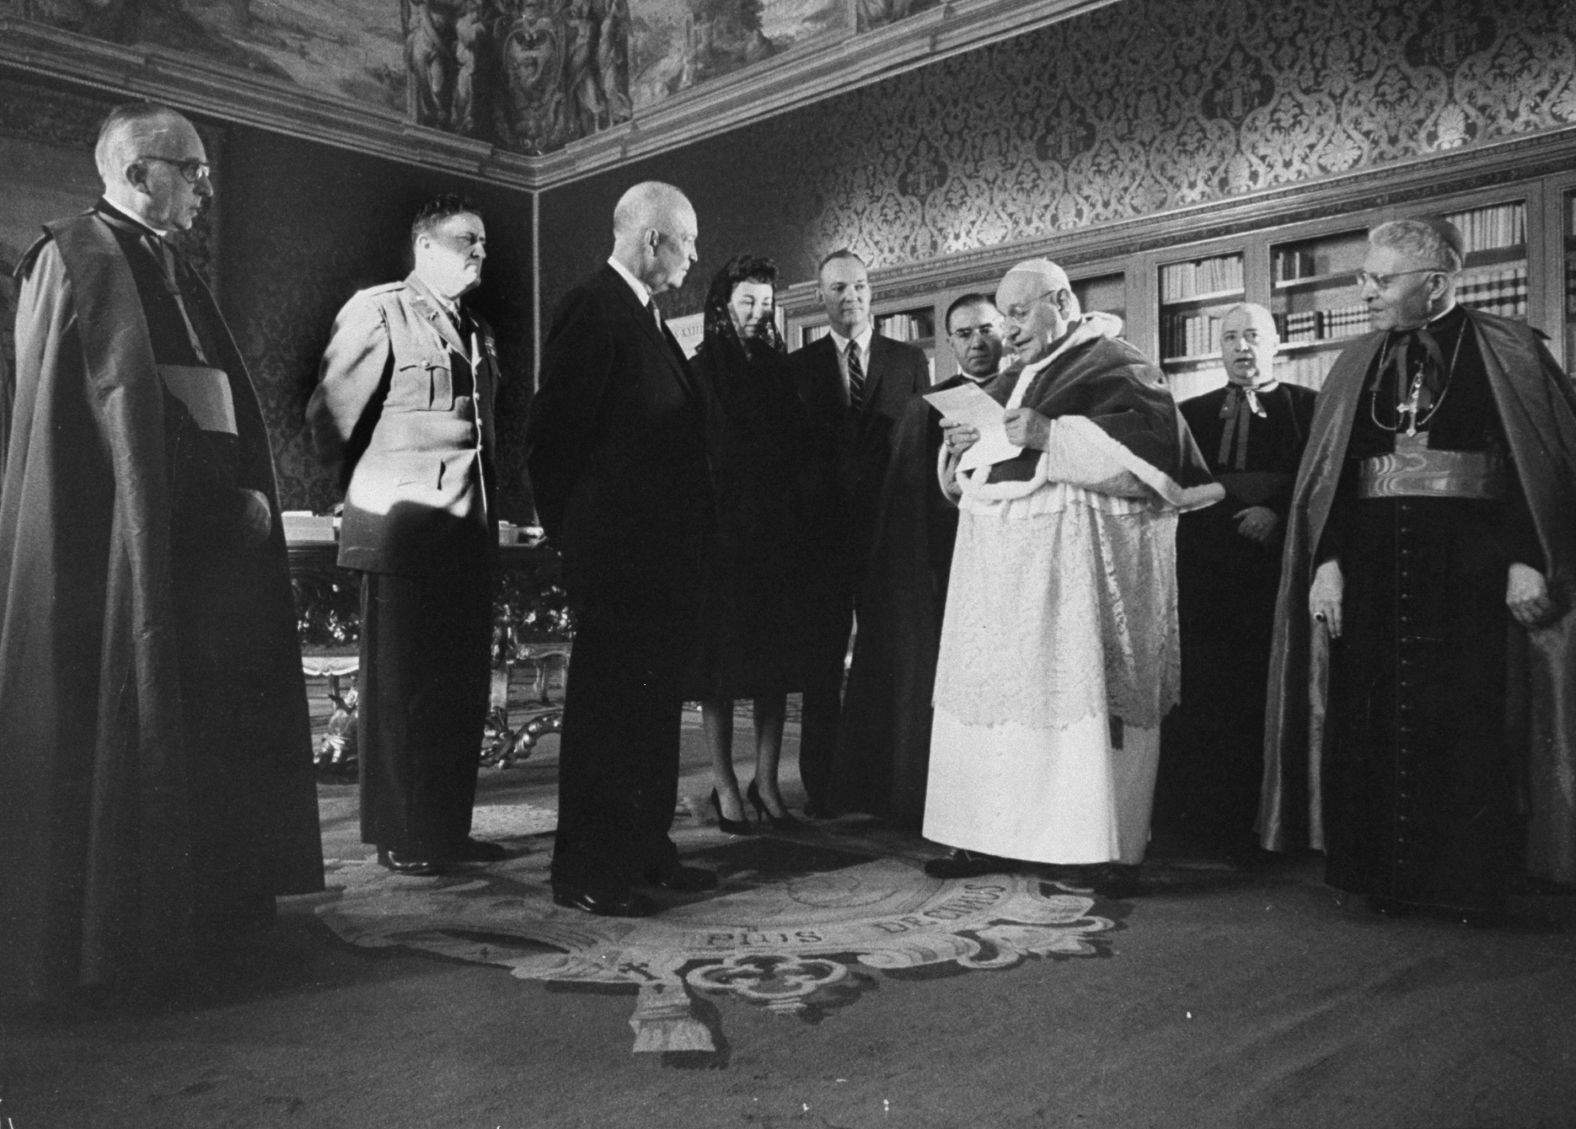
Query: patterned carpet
[[800, 925]]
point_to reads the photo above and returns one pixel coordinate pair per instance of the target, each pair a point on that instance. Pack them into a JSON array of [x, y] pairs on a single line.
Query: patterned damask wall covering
[[1132, 110]]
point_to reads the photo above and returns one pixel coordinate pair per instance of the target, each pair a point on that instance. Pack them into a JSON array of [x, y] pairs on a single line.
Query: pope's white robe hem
[[1060, 795]]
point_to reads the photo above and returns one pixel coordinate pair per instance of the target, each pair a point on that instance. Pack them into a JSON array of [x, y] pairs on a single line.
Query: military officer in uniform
[[404, 410]]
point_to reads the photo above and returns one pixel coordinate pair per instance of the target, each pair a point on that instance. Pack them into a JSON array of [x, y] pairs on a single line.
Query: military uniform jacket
[[404, 409]]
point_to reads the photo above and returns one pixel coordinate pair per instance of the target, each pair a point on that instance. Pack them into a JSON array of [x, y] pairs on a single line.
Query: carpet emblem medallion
[[797, 943]]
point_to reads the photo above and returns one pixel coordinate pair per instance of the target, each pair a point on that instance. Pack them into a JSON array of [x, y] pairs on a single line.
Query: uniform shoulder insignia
[[24, 266], [384, 288]]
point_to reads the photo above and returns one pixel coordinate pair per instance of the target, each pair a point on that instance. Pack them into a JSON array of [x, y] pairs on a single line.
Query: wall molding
[[826, 66]]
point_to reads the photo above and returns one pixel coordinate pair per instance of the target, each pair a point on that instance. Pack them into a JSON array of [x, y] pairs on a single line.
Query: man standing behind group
[[1059, 647], [404, 411], [884, 744], [1432, 536], [1251, 433], [854, 384], [616, 447], [156, 786]]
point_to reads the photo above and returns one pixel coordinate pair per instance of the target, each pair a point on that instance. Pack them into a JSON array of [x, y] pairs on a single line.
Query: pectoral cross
[[1409, 407]]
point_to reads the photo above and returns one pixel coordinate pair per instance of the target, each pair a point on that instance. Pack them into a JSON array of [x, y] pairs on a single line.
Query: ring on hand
[[1319, 616]]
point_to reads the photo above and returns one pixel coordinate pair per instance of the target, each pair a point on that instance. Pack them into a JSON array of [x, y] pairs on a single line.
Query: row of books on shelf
[[1189, 335], [1294, 264], [1322, 325], [1498, 225], [1502, 292], [1180, 281], [905, 327]]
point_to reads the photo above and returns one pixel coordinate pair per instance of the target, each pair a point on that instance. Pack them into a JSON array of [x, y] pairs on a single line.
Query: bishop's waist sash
[[1416, 471]]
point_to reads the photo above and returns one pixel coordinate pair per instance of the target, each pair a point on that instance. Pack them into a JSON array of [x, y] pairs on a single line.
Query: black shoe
[[731, 826], [604, 903], [965, 864], [683, 879], [477, 850], [784, 822], [1115, 880], [404, 862]]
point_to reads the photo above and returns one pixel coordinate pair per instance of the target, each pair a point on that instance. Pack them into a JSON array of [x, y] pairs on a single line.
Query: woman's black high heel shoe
[[784, 822], [731, 826]]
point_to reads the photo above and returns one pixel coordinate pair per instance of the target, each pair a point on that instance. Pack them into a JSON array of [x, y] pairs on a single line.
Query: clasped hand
[[1256, 523]]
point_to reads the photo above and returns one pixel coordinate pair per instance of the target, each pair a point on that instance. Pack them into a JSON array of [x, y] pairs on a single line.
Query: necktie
[[1239, 407], [656, 315], [166, 260], [856, 377]]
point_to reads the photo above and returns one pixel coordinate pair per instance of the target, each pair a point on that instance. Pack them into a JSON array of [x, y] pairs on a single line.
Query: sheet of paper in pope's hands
[[968, 403]]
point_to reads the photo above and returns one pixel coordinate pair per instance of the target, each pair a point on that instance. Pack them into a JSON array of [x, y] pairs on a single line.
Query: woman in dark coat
[[756, 438]]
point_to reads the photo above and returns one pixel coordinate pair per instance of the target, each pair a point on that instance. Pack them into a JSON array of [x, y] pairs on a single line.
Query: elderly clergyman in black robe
[[1432, 542], [156, 787]]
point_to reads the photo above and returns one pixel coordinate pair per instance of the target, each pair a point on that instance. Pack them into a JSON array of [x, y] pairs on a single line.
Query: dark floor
[[1230, 995]]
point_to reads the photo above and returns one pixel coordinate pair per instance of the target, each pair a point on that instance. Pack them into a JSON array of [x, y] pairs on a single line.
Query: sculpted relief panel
[[530, 75]]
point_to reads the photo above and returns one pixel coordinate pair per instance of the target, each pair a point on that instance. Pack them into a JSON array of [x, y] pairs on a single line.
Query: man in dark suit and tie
[[855, 384], [404, 409], [617, 454]]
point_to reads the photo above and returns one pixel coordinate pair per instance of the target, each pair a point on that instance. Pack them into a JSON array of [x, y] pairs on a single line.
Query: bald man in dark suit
[[617, 454]]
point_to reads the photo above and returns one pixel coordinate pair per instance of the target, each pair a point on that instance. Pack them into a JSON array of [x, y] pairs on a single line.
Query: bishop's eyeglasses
[[191, 169], [1383, 281]]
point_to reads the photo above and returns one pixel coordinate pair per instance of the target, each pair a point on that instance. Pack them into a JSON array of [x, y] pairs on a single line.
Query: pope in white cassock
[[1059, 652]]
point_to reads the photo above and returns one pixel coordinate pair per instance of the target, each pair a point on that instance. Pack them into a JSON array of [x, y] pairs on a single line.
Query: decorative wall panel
[[1140, 108]]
